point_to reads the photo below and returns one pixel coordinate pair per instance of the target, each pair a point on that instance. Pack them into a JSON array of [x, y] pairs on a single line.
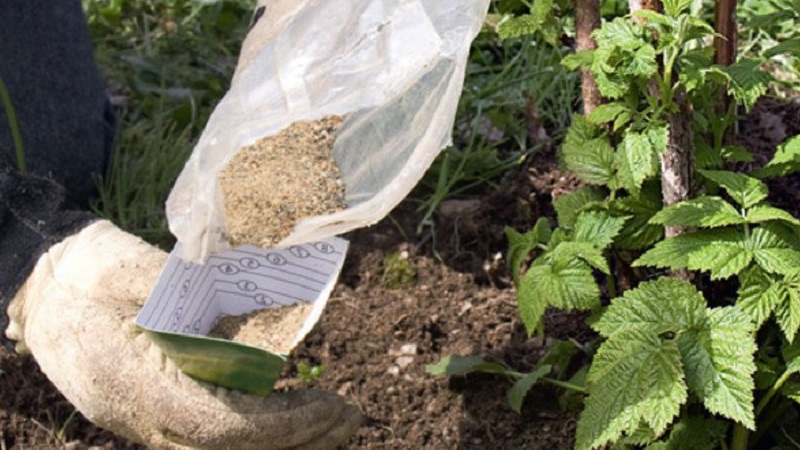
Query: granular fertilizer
[[273, 329]]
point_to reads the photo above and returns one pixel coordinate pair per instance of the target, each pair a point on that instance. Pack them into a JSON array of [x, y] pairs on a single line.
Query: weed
[[398, 273]]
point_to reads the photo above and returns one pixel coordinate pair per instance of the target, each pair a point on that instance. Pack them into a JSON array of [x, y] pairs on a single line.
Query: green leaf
[[675, 7], [568, 206], [607, 112], [721, 259], [785, 161], [771, 251], [588, 153], [452, 365], [569, 287], [636, 378], [693, 433], [763, 213], [597, 228], [525, 25], [719, 364], [705, 212], [566, 252], [559, 355], [222, 363], [521, 245], [638, 233], [759, 294], [746, 191], [578, 60], [636, 160], [642, 62], [790, 46], [517, 393], [716, 346], [788, 313], [675, 252], [736, 153], [658, 134], [654, 307], [746, 81], [621, 33]]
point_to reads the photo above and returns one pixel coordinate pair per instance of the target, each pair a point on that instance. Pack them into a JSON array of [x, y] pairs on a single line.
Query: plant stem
[[772, 391], [587, 19], [565, 385], [739, 438], [16, 135]]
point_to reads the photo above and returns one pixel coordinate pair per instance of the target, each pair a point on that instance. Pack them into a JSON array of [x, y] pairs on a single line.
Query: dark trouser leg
[[47, 63]]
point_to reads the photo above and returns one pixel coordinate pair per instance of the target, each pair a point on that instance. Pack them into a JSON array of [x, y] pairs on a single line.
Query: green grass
[[168, 62]]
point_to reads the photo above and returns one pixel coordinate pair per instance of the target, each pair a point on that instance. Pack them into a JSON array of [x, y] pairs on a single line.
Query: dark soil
[[403, 301]]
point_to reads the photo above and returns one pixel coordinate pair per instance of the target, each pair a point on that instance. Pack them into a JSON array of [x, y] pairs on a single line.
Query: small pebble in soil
[[272, 329]]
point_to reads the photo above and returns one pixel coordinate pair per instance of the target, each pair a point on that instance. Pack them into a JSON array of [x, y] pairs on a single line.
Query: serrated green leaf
[[759, 295], [788, 314], [778, 260], [597, 228], [621, 33], [638, 233], [693, 433], [704, 211], [517, 393], [570, 287], [736, 153], [635, 378], [763, 213], [705, 156], [607, 112], [719, 364], [746, 81], [675, 7], [521, 245], [790, 46], [566, 252], [642, 62], [654, 307], [608, 86], [674, 252], [525, 25], [578, 60], [785, 161], [791, 390], [452, 365], [635, 160], [722, 260], [746, 191], [658, 135], [588, 153], [653, 16], [622, 119], [568, 206], [693, 65]]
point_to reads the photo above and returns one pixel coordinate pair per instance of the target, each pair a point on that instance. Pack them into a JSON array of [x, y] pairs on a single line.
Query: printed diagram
[[189, 298]]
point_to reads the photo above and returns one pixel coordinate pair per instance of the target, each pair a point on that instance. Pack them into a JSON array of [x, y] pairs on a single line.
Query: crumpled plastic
[[394, 69]]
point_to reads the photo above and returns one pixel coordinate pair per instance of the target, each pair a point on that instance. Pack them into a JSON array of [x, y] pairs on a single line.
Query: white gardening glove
[[75, 314]]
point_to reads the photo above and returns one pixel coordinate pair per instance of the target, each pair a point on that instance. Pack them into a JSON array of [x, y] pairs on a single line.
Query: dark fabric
[[33, 216], [47, 63], [67, 128]]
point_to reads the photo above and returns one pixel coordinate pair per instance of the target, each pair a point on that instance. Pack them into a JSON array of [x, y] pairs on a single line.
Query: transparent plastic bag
[[393, 69]]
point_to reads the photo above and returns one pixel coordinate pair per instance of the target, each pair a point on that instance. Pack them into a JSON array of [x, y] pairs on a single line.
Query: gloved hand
[[75, 315]]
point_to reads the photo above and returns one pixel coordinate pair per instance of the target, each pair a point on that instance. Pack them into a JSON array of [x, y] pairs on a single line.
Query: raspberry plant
[[674, 368]]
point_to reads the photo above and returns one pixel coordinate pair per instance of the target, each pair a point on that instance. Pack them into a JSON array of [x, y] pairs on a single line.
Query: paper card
[[189, 298]]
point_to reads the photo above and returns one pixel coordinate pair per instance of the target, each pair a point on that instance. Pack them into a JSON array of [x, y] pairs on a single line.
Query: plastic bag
[[393, 69]]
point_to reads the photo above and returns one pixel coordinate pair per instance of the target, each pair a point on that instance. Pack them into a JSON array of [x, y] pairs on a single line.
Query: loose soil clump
[[268, 186], [272, 329]]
